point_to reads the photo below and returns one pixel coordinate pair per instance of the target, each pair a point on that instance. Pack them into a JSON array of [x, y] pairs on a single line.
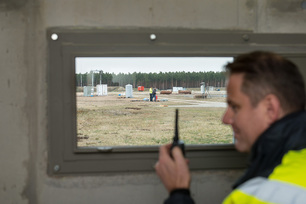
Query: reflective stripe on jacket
[[286, 184]]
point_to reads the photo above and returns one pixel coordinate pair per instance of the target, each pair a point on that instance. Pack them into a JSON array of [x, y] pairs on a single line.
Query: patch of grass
[[116, 121]]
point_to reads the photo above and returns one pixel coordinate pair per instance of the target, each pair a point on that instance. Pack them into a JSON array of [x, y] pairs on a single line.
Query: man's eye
[[234, 108]]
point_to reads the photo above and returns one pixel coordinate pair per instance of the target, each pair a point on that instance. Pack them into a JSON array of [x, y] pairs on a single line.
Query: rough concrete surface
[[23, 93]]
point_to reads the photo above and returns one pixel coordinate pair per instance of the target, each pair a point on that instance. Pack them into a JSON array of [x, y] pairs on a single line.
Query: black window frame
[[64, 157]]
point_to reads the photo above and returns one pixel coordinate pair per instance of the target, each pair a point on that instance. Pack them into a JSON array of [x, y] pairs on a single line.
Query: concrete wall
[[23, 119]]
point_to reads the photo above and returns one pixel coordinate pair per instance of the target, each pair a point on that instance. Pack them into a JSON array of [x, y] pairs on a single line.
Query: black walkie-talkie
[[176, 140]]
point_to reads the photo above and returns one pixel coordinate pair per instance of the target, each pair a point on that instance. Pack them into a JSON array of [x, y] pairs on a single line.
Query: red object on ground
[[140, 88]]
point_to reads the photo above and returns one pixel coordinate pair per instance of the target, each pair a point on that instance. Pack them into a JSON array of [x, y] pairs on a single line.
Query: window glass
[[114, 107]]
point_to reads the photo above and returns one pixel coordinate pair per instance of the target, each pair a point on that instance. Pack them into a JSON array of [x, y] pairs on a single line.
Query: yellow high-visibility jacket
[[278, 170], [286, 184], [150, 90]]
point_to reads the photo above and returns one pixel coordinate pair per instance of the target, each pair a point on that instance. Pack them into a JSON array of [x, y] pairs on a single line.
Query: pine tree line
[[161, 80]]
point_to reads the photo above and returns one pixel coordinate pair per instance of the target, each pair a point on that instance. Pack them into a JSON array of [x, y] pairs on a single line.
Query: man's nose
[[227, 117]]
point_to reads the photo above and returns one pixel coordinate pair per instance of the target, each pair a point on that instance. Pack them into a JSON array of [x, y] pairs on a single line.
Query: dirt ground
[[115, 120]]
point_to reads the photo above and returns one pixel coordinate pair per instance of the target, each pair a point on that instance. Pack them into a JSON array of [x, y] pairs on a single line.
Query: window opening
[[114, 106]]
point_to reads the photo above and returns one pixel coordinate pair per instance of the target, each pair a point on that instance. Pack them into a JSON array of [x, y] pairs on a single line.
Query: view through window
[[114, 106]]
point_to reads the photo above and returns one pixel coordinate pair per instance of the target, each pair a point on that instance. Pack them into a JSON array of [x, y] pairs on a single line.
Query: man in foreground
[[266, 110]]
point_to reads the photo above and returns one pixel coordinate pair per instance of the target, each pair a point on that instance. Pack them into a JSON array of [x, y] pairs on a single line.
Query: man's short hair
[[268, 73]]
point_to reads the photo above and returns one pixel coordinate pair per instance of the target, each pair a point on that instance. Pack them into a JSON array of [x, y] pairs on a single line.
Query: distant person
[[154, 94], [266, 109], [151, 95]]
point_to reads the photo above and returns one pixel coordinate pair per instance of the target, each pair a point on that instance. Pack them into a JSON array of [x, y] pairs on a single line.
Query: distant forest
[[161, 80]]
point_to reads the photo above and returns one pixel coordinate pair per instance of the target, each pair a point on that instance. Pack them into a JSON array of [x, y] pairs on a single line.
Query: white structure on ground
[[202, 89], [128, 91], [88, 90], [211, 88], [102, 89], [176, 89]]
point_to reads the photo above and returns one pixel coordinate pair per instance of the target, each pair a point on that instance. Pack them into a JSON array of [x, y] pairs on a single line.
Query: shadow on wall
[[12, 4]]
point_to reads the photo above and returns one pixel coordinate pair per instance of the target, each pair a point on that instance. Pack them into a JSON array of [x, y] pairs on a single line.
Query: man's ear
[[274, 110]]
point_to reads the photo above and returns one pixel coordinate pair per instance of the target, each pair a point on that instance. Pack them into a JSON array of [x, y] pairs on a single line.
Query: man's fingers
[[168, 146], [162, 151], [164, 154], [173, 172], [178, 155]]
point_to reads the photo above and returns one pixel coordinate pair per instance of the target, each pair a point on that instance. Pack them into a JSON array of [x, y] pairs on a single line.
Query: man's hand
[[174, 173]]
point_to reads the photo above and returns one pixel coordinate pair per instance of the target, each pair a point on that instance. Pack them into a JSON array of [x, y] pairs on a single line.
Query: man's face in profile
[[247, 122]]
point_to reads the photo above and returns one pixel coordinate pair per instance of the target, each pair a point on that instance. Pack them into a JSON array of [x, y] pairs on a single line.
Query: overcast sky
[[150, 64]]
